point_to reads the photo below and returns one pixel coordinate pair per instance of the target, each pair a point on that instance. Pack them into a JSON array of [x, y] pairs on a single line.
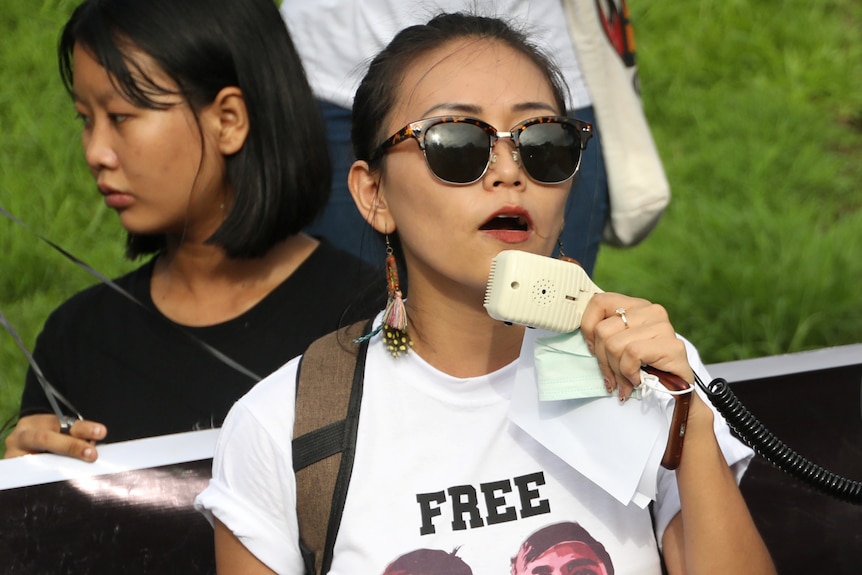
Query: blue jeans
[[341, 222], [586, 208]]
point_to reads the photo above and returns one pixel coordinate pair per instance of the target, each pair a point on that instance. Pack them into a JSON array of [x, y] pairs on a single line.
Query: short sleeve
[[253, 489]]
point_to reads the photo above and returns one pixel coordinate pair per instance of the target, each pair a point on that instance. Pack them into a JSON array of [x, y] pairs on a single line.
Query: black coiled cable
[[773, 449]]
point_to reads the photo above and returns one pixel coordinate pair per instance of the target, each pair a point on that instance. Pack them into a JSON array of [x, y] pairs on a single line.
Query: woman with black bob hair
[[202, 133], [275, 193]]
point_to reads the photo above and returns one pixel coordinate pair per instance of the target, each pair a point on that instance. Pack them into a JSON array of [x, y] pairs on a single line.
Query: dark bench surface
[[819, 415]]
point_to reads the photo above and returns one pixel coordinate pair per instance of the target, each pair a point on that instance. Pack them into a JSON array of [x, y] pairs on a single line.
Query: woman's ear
[[369, 197], [228, 117]]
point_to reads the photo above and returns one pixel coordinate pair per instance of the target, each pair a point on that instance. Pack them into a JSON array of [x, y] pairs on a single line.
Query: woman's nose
[[515, 157], [505, 164], [98, 148]]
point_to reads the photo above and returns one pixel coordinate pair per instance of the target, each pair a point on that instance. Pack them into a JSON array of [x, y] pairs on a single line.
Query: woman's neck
[[200, 285], [457, 336]]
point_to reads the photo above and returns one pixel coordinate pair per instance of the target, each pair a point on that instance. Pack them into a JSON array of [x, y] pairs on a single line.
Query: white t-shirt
[[438, 466], [336, 39]]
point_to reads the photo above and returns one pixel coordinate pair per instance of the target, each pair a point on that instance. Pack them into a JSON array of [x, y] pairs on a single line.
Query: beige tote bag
[[639, 190]]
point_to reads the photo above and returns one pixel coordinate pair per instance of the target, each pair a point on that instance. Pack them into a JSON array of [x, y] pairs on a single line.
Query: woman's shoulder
[[101, 298], [353, 289], [328, 254], [269, 405]]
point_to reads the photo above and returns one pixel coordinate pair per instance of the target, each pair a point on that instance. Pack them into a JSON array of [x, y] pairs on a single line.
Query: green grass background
[[756, 107]]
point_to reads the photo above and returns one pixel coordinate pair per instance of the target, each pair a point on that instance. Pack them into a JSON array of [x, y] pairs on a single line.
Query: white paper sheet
[[618, 446], [113, 458]]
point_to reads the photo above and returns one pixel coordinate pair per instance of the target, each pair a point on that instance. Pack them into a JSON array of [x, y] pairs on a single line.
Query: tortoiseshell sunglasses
[[458, 149]]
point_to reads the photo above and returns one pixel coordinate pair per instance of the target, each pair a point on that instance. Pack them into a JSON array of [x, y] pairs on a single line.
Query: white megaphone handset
[[538, 291], [552, 294]]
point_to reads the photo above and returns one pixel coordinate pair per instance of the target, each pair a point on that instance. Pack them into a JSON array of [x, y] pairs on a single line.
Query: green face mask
[[565, 368]]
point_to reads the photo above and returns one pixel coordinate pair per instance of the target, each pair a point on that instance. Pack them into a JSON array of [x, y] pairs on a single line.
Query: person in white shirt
[[464, 151]]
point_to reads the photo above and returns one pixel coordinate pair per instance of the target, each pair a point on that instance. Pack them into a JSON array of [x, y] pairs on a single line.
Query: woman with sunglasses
[[334, 51], [202, 134], [463, 153]]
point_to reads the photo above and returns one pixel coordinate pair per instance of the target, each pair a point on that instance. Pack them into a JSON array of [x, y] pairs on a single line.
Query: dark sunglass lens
[[457, 152], [550, 152]]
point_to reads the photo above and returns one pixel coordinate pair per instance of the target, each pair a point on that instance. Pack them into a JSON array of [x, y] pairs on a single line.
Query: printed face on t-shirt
[[565, 558]]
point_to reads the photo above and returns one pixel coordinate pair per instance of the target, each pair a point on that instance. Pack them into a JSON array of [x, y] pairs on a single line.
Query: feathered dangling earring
[[395, 315]]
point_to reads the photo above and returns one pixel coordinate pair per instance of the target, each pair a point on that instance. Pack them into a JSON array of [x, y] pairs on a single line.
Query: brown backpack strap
[[329, 392]]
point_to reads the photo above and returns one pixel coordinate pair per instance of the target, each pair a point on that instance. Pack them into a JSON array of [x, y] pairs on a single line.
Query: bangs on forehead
[[132, 72], [129, 69]]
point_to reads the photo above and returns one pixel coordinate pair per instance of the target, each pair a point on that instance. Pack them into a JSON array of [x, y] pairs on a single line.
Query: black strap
[[318, 444]]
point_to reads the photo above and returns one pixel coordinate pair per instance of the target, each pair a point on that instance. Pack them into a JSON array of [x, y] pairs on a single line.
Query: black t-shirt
[[141, 375]]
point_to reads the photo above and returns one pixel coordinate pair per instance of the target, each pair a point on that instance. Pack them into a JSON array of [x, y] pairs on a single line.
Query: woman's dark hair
[[281, 176], [376, 95], [429, 562]]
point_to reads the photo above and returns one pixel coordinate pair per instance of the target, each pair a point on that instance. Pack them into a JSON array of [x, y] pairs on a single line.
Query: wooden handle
[[676, 436]]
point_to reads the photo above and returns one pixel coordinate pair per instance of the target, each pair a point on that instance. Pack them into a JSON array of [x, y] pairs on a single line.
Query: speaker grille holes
[[543, 292]]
